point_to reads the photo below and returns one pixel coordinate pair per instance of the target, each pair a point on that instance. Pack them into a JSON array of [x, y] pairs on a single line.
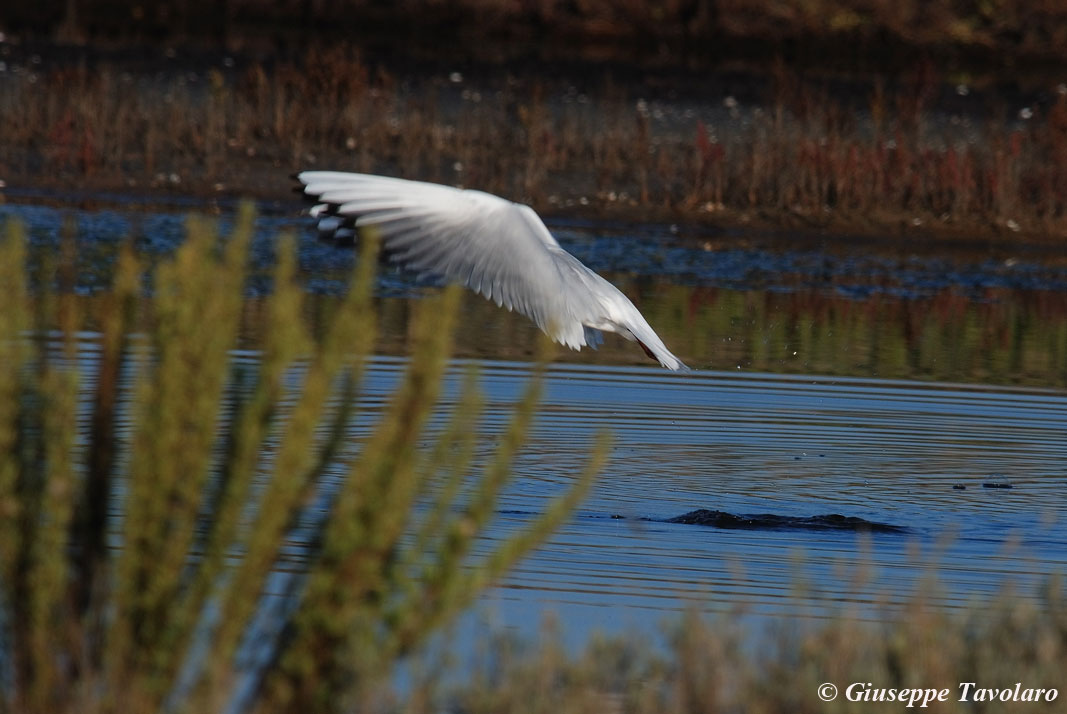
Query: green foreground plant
[[146, 500]]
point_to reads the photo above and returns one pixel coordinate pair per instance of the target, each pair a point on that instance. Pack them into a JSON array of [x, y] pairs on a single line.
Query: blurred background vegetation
[[990, 32], [927, 151], [863, 115]]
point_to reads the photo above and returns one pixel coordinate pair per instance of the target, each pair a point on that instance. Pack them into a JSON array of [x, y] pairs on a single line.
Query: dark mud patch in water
[[770, 521], [763, 521]]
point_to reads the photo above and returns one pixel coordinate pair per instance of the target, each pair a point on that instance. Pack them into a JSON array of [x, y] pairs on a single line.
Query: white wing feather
[[493, 246]]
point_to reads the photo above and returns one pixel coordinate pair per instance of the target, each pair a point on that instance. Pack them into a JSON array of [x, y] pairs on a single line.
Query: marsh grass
[[142, 520], [712, 665], [799, 154]]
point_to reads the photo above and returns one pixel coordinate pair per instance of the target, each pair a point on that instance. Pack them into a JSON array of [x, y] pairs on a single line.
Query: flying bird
[[497, 248]]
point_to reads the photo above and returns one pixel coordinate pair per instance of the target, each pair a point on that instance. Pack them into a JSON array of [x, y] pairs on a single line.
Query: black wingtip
[[301, 187]]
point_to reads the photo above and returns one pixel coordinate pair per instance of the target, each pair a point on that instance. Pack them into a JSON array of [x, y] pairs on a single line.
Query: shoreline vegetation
[[931, 148]]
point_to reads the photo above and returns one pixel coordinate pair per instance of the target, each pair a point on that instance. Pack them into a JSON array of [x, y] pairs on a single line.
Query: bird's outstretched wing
[[493, 246]]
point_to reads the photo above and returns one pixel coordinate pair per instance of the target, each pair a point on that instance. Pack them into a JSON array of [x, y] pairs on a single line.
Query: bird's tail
[[659, 352]]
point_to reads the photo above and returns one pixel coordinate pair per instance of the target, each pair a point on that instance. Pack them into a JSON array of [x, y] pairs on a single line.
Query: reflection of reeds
[[996, 336], [203, 467], [805, 156], [999, 337]]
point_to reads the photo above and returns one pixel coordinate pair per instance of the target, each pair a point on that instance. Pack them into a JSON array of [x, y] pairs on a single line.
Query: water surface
[[895, 452], [926, 392]]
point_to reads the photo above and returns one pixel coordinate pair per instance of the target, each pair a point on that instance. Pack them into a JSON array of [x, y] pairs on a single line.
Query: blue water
[[695, 256], [887, 451]]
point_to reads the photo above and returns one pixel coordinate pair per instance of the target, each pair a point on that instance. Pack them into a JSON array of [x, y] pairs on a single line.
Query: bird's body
[[493, 246]]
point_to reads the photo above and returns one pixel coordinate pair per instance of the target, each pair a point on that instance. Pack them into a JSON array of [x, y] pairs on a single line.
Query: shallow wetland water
[[925, 392]]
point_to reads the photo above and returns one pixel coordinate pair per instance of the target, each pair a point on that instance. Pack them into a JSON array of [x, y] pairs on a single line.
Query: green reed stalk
[[13, 356], [446, 467], [287, 340], [370, 598], [48, 535], [295, 469], [196, 308], [116, 315], [347, 585]]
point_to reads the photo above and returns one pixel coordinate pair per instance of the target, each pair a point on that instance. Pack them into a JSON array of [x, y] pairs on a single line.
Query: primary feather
[[493, 246]]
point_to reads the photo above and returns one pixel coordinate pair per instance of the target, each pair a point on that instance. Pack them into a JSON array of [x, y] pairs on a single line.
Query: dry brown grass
[[714, 666], [804, 156]]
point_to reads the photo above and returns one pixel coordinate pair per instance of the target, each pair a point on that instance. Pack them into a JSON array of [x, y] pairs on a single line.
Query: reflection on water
[[829, 384], [799, 308], [1005, 337]]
